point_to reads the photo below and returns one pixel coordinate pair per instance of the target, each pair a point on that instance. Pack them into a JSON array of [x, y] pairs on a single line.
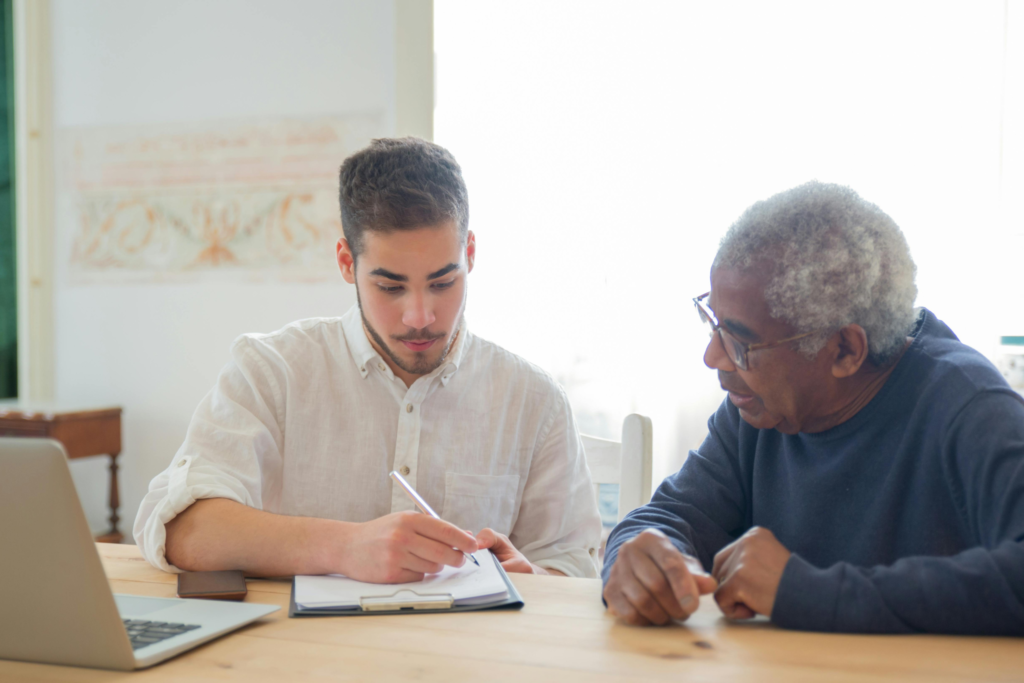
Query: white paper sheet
[[467, 585]]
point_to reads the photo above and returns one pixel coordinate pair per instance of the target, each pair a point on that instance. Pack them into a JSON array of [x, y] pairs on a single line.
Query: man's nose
[[715, 356], [419, 313]]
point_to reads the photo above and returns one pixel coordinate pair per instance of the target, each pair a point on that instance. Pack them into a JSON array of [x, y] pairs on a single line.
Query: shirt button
[[181, 463], [405, 470], [380, 366], [408, 408]]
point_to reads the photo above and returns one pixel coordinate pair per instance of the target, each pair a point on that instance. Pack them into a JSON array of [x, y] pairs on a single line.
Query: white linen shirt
[[309, 421]]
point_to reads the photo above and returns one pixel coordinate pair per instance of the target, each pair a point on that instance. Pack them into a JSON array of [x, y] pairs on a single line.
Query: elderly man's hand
[[748, 571], [652, 582]]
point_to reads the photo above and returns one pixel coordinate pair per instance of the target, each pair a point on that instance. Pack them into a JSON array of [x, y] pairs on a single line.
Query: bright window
[[608, 146]]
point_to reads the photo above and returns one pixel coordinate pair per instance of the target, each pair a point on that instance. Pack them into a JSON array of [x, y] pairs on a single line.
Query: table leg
[[113, 536]]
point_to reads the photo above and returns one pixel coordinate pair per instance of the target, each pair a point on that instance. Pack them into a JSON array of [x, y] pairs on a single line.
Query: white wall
[[155, 349]]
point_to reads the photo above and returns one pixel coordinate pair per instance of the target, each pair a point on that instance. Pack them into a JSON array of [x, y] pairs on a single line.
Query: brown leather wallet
[[223, 585]]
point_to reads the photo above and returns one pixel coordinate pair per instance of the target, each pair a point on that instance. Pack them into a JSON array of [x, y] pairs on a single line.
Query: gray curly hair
[[837, 260]]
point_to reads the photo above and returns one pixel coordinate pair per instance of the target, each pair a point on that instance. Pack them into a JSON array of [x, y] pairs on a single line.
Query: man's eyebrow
[[740, 330], [381, 272], [444, 271]]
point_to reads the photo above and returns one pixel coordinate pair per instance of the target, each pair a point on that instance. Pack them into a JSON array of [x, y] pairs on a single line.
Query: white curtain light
[[607, 147]]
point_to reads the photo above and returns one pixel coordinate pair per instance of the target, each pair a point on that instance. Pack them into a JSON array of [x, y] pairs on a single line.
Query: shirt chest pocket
[[479, 501]]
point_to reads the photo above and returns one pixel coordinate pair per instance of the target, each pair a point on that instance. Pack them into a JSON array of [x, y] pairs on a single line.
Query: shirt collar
[[364, 354], [455, 354]]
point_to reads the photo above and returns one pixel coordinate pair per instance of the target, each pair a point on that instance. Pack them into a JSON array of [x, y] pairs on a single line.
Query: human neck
[[852, 394]]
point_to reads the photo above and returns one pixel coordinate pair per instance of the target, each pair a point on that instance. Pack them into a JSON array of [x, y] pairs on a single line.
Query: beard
[[422, 363]]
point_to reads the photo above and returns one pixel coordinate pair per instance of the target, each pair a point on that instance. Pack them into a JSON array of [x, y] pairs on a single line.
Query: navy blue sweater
[[908, 517]]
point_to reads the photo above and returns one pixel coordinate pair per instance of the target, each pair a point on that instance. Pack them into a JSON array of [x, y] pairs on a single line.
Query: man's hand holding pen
[[404, 546], [400, 548]]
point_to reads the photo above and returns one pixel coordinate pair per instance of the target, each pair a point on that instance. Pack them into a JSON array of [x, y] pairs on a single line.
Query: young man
[[285, 466]]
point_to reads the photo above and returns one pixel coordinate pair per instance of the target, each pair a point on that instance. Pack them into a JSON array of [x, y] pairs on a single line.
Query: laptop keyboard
[[143, 633]]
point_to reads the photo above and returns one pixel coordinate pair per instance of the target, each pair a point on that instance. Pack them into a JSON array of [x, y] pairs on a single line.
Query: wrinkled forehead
[[738, 301]]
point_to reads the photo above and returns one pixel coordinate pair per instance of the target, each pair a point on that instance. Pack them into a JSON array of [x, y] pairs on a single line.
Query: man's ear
[[346, 261], [852, 351], [470, 251]]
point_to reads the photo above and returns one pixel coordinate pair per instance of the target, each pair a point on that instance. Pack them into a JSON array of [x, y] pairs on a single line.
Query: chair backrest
[[627, 463]]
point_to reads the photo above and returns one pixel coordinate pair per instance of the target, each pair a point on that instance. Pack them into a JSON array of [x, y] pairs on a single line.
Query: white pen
[[422, 504]]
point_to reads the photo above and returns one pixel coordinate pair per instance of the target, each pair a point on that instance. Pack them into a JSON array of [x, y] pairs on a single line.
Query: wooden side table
[[82, 432]]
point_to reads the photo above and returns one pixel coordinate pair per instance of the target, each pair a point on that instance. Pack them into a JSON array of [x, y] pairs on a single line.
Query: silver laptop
[[55, 602]]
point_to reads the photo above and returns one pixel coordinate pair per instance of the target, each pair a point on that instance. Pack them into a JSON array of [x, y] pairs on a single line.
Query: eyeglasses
[[736, 349]]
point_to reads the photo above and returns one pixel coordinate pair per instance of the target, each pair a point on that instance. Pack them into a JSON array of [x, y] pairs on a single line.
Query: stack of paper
[[465, 585]]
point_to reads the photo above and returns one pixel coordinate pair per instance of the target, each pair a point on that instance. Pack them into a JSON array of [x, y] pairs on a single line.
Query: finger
[[486, 538], [498, 543], [705, 583], [621, 607], [615, 594], [724, 600], [696, 568], [658, 585], [644, 603], [676, 569], [733, 564], [413, 563], [443, 532], [728, 596], [741, 611], [737, 610], [722, 556], [435, 552], [406, 576], [505, 551], [517, 566]]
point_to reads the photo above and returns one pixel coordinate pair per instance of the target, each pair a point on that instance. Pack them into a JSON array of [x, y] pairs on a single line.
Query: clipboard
[[406, 601]]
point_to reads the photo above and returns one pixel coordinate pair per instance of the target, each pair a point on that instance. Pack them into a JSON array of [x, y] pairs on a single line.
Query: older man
[[866, 472]]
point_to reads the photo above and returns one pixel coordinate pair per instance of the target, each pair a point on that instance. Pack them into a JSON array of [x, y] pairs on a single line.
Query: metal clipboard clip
[[406, 599]]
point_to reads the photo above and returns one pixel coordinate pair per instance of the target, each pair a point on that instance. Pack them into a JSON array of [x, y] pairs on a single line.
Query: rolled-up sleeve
[[559, 526], [232, 449]]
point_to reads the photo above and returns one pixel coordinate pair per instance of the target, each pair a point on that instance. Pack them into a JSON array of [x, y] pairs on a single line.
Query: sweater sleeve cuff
[[807, 596]]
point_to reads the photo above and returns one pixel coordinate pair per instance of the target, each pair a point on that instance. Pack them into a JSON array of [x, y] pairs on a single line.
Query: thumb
[[486, 538], [705, 582]]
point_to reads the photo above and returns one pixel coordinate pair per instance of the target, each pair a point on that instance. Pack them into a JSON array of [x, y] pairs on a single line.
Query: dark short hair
[[400, 184]]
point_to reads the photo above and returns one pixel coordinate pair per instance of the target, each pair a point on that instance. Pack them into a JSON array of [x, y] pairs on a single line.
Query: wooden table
[[83, 433], [563, 634]]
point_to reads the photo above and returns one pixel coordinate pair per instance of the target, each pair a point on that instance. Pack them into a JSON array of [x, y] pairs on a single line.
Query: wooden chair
[[626, 463]]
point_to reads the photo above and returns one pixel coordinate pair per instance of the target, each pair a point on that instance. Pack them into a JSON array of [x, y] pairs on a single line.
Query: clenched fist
[[652, 582], [748, 571]]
